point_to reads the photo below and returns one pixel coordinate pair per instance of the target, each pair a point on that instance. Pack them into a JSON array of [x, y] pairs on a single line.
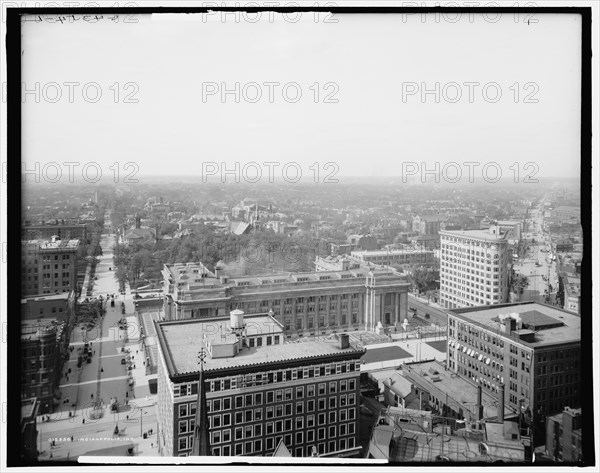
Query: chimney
[[500, 413], [344, 340], [479, 403]]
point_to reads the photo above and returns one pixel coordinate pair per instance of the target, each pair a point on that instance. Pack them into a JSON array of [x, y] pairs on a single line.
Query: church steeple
[[201, 444]]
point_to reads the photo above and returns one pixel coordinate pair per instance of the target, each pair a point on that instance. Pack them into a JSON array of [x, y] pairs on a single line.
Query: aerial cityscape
[[312, 238], [377, 321]]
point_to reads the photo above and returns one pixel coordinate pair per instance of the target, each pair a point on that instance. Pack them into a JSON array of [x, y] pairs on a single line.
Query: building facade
[[395, 257], [306, 394], [61, 306], [49, 267], [475, 268], [563, 436], [426, 224], [42, 344], [305, 303], [532, 349]]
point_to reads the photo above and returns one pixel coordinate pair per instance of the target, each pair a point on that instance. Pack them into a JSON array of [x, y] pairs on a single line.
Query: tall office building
[[475, 268], [259, 389], [48, 267]]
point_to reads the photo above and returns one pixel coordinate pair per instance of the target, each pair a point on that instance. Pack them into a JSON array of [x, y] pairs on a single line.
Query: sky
[[361, 106]]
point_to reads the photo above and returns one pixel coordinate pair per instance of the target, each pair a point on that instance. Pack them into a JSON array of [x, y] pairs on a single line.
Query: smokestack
[[479, 403], [344, 340], [500, 413]]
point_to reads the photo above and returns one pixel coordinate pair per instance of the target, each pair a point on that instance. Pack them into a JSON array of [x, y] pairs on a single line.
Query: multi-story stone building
[[426, 224], [304, 303], [61, 306], [260, 389], [475, 268], [533, 349], [42, 344], [395, 257], [49, 267], [563, 436]]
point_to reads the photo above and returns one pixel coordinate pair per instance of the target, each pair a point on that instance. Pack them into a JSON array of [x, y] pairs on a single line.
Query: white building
[[475, 268]]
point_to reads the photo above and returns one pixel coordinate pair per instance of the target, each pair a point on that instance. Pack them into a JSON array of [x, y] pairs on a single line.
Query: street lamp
[[142, 412]]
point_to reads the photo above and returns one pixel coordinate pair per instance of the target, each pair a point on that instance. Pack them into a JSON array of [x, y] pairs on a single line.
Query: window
[[227, 435], [310, 421], [269, 412], [183, 425], [310, 390], [321, 434], [299, 423], [300, 392], [270, 444], [239, 433], [183, 443], [183, 410], [226, 420], [299, 437], [299, 408], [332, 387], [331, 431], [215, 437], [322, 388]]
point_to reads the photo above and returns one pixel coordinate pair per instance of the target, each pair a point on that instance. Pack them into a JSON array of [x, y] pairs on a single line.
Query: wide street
[[537, 265], [84, 412]]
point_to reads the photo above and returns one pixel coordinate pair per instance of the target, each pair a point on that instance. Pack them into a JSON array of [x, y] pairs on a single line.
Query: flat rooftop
[[458, 388], [55, 245], [181, 341], [479, 234], [196, 277], [395, 251], [49, 297], [563, 326]]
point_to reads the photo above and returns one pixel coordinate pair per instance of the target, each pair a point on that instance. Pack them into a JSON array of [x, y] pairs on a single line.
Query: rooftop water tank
[[236, 319]]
